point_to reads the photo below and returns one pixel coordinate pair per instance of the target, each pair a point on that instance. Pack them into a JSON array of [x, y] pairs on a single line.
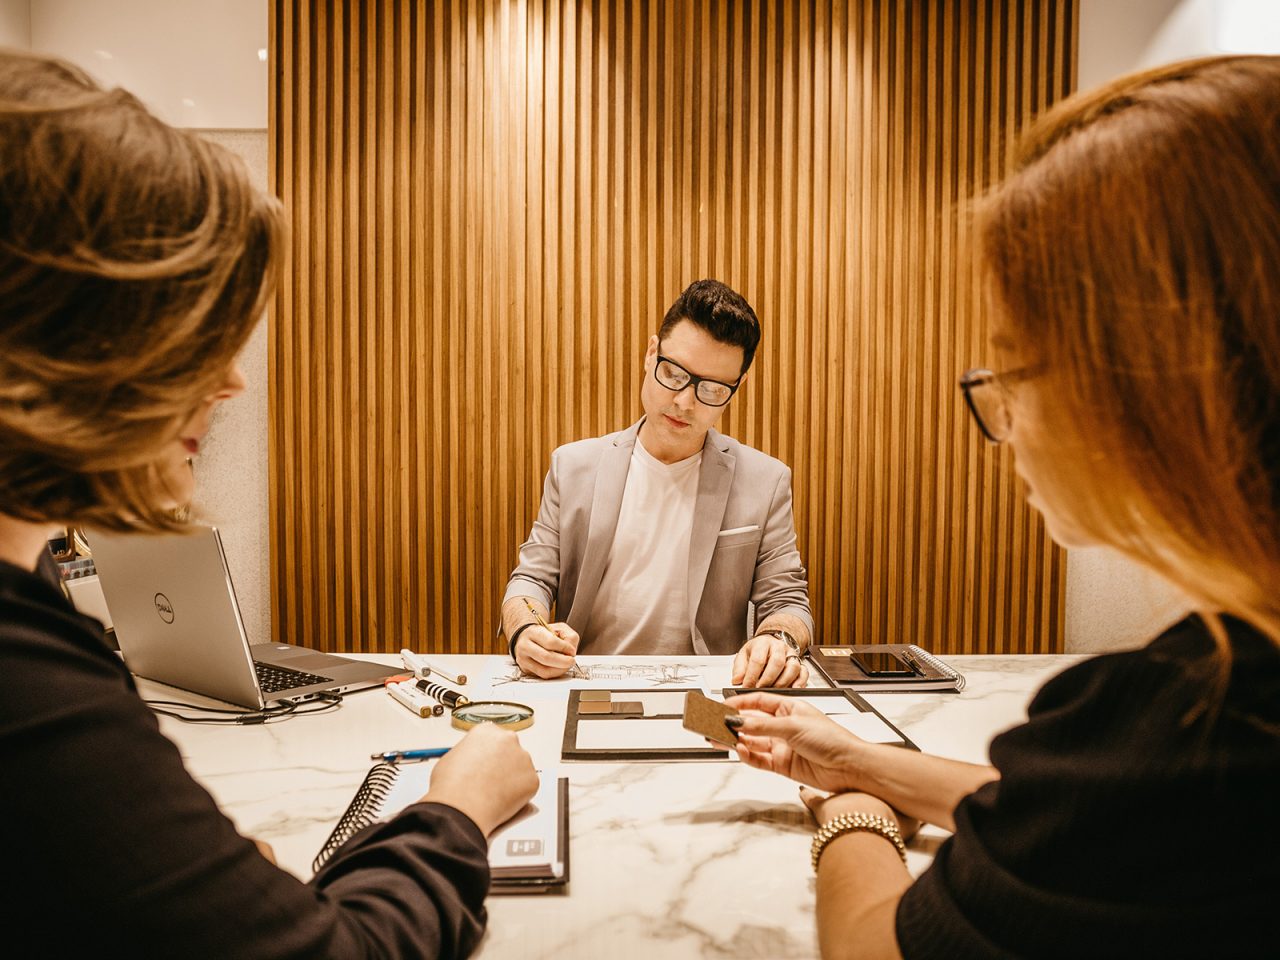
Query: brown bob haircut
[[135, 260], [1133, 259]]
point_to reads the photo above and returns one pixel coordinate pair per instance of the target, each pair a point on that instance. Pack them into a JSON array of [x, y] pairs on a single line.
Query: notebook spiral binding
[[361, 812], [928, 658]]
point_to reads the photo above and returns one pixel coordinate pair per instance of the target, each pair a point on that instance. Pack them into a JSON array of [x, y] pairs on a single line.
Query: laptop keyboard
[[273, 679]]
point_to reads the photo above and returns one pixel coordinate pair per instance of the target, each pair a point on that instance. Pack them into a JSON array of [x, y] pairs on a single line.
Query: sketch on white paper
[[659, 674]]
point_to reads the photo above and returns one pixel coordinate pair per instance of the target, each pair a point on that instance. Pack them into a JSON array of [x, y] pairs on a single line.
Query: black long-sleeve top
[[108, 844], [1129, 820]]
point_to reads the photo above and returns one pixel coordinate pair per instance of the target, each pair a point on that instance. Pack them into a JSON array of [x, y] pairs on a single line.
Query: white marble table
[[689, 859]]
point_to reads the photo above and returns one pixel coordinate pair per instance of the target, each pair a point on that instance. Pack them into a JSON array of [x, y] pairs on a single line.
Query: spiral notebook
[[528, 853], [840, 668]]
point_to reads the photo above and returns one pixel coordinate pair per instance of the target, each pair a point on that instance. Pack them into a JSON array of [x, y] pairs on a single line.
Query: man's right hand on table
[[546, 653]]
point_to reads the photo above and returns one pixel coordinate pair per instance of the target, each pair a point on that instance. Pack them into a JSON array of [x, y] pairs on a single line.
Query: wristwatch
[[790, 641]]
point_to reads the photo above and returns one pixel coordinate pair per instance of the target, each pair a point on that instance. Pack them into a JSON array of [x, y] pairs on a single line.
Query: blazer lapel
[[714, 480], [606, 502]]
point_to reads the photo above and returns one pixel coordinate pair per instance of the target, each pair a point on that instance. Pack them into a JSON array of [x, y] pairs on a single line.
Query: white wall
[[1115, 35], [15, 23], [231, 471], [1111, 603], [167, 52], [196, 64], [1119, 36]]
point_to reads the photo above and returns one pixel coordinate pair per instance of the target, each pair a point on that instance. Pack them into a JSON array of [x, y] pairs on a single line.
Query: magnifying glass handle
[[450, 698]]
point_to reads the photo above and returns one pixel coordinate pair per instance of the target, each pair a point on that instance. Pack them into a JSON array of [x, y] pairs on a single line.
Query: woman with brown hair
[[1133, 260], [134, 261]]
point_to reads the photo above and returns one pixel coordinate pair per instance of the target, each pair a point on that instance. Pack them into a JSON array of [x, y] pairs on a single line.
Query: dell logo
[[164, 608]]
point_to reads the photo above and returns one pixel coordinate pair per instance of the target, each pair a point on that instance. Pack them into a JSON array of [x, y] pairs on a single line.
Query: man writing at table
[[655, 539]]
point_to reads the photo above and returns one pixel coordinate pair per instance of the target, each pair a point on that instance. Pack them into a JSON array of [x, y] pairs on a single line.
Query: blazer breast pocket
[[738, 537]]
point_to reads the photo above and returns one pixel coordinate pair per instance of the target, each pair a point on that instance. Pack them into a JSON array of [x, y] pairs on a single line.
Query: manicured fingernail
[[734, 723]]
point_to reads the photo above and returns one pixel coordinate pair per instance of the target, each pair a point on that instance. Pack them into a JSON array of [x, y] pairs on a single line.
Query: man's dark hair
[[721, 311]]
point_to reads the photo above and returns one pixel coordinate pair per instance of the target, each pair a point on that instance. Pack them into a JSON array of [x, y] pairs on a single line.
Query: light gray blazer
[[742, 549]]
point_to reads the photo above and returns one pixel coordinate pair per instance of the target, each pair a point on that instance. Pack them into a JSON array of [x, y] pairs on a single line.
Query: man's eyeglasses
[[989, 400], [713, 393]]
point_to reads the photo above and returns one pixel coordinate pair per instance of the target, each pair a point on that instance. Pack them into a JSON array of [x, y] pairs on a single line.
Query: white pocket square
[[747, 529]]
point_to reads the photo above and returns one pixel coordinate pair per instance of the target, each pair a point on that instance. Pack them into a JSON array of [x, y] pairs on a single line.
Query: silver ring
[[793, 656]]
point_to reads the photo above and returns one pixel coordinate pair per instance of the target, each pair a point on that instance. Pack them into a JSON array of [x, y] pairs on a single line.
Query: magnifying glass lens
[[513, 716]]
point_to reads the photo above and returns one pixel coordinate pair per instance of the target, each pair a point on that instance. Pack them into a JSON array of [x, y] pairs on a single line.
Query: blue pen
[[394, 756]]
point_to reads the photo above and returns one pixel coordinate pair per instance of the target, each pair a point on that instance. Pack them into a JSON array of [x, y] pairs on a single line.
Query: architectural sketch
[[659, 674]]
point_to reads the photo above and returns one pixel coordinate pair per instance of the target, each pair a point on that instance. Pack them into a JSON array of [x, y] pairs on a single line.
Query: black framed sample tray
[[622, 725]]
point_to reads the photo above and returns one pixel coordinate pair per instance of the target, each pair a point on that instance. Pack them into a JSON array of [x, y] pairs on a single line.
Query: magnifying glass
[[469, 713], [513, 716]]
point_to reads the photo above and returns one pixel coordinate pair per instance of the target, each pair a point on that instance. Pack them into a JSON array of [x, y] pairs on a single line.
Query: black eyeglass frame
[[977, 377], [694, 380], [970, 380]]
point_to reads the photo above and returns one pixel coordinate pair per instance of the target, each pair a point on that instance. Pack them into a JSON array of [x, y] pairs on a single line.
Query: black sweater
[[109, 845], [1123, 824]]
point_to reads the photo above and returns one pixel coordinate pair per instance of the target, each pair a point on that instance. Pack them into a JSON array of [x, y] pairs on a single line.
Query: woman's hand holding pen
[[487, 775], [547, 651]]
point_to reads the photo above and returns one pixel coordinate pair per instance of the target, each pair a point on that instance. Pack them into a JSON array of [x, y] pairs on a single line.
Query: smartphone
[[884, 664]]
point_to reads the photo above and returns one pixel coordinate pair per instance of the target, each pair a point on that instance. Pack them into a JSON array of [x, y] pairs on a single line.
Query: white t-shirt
[[642, 605]]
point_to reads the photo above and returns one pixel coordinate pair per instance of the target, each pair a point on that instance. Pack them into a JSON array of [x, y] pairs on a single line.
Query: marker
[[408, 697], [422, 669], [394, 756], [450, 698]]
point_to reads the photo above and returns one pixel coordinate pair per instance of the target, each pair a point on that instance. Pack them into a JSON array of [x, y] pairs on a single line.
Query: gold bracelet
[[850, 823]]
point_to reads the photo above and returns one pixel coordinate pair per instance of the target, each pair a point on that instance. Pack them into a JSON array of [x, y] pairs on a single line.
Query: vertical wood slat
[[494, 201]]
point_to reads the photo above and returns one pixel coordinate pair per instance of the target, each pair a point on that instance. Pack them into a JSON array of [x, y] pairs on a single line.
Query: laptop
[[177, 621]]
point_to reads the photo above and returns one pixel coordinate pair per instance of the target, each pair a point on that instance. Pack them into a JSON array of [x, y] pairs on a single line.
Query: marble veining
[[667, 860]]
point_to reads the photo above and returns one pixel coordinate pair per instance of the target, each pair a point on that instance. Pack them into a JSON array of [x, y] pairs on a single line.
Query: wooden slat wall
[[494, 201]]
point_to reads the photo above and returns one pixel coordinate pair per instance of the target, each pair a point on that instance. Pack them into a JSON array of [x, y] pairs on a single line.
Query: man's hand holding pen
[[543, 649]]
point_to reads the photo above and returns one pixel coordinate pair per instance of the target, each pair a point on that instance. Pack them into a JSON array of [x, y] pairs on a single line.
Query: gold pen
[[537, 616]]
